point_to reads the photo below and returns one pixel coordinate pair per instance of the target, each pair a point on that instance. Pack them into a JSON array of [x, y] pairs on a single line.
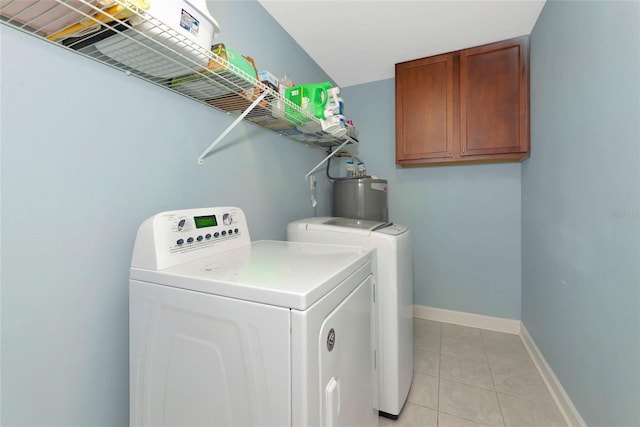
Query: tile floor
[[467, 377]]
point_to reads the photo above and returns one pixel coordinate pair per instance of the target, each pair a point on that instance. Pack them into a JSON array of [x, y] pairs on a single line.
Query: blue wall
[[87, 154], [581, 205], [465, 220]]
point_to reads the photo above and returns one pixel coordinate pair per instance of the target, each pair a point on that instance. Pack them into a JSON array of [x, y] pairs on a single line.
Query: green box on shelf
[[243, 63]]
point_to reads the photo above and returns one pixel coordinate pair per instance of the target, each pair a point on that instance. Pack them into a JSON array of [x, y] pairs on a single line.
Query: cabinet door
[[424, 109], [494, 98]]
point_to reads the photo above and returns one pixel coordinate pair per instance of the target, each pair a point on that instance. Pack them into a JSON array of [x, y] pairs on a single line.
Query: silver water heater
[[361, 198]]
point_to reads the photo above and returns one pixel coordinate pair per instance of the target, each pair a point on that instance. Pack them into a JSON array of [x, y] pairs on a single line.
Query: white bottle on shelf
[[283, 84], [333, 122]]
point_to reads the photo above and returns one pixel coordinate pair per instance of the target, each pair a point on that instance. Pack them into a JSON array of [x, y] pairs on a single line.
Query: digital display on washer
[[205, 221]]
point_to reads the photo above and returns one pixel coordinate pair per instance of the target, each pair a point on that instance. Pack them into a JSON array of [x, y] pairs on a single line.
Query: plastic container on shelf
[[284, 83], [185, 27], [268, 79], [278, 108]]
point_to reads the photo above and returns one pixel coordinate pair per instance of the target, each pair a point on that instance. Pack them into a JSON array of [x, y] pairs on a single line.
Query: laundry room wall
[[465, 220], [87, 154], [581, 205]]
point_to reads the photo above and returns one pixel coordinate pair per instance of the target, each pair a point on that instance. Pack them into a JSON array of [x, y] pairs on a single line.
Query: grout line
[[469, 385], [466, 419], [495, 389]]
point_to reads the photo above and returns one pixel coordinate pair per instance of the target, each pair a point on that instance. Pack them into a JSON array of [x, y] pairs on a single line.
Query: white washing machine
[[395, 300], [229, 332]]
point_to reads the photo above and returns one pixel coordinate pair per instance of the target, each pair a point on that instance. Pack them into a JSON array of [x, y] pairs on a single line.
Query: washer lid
[[287, 274], [357, 223], [347, 225]]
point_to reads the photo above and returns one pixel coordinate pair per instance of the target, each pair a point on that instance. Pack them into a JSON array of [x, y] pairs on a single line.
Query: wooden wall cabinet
[[467, 106]]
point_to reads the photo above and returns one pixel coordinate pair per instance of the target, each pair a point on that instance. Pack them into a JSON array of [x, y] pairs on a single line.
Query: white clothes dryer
[[225, 331], [395, 294]]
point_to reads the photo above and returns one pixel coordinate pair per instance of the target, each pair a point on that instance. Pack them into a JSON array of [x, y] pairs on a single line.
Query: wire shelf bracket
[[230, 127]]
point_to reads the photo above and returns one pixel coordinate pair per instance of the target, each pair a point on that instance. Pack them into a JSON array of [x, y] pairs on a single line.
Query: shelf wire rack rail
[[121, 34]]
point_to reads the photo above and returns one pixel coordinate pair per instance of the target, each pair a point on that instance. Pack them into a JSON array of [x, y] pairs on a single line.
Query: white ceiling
[[358, 41]]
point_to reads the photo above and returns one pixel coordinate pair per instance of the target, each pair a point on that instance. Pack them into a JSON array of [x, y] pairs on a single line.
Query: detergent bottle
[[318, 98], [335, 104], [310, 97], [333, 121]]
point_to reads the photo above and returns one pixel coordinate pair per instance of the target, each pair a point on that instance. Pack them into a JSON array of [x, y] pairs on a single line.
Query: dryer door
[[205, 360], [348, 378]]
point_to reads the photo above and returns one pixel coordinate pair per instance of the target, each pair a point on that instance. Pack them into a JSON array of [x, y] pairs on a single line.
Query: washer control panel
[[175, 237], [204, 229], [393, 229]]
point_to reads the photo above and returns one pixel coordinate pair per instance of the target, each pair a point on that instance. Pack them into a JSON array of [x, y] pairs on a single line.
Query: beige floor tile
[[426, 363], [424, 326], [413, 416], [527, 384], [521, 412], [463, 347], [426, 341], [446, 420], [466, 371], [510, 362], [498, 341], [424, 391], [451, 330], [384, 422], [470, 403]]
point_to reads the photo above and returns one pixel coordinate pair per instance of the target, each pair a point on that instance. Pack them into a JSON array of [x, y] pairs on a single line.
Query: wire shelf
[[121, 34]]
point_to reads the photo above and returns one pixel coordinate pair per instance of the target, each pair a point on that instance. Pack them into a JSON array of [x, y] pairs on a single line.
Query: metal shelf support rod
[[346, 141], [230, 127]]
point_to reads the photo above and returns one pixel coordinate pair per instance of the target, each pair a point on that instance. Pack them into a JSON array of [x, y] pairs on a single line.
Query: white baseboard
[[563, 401], [498, 324]]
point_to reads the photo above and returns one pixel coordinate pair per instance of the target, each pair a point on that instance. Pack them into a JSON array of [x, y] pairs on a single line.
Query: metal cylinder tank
[[361, 198]]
